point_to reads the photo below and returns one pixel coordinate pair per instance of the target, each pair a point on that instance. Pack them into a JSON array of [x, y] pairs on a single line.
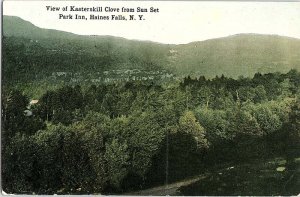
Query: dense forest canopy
[[100, 114], [113, 138]]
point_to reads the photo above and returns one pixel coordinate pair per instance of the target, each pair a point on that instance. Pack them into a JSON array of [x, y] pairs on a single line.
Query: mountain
[[242, 54], [32, 53], [15, 26]]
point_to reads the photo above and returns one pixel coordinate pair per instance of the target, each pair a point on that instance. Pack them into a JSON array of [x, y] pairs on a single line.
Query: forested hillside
[[119, 138], [50, 57], [107, 115], [31, 54], [242, 54]]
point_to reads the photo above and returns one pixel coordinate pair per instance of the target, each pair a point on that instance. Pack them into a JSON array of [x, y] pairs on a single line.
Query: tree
[[189, 125], [293, 135], [18, 160], [286, 88], [242, 123], [268, 121], [144, 137], [14, 103], [116, 157], [215, 123], [94, 129]]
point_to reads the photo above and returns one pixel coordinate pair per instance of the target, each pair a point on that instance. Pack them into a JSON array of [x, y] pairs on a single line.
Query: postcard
[[193, 98]]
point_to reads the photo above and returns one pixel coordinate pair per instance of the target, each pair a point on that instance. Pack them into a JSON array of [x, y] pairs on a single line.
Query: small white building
[[33, 102]]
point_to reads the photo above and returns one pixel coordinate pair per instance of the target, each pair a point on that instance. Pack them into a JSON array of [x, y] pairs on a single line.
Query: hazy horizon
[[133, 39], [176, 23]]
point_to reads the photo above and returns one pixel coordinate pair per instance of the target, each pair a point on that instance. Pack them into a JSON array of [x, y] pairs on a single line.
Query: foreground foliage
[[121, 137]]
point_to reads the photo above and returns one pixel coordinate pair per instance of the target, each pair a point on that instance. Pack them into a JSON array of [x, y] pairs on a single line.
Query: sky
[[176, 22]]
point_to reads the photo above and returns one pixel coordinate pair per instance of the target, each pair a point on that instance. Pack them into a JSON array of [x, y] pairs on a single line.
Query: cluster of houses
[[109, 76]]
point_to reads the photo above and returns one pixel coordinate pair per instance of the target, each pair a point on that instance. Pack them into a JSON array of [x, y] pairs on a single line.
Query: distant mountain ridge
[[241, 54], [43, 51]]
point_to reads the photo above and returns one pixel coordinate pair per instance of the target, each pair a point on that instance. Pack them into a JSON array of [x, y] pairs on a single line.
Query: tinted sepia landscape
[[108, 115]]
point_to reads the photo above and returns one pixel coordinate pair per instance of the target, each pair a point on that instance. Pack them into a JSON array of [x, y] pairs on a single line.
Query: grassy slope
[[257, 178]]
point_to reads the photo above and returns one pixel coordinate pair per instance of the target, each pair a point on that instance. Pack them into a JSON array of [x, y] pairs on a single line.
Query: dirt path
[[170, 189]]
